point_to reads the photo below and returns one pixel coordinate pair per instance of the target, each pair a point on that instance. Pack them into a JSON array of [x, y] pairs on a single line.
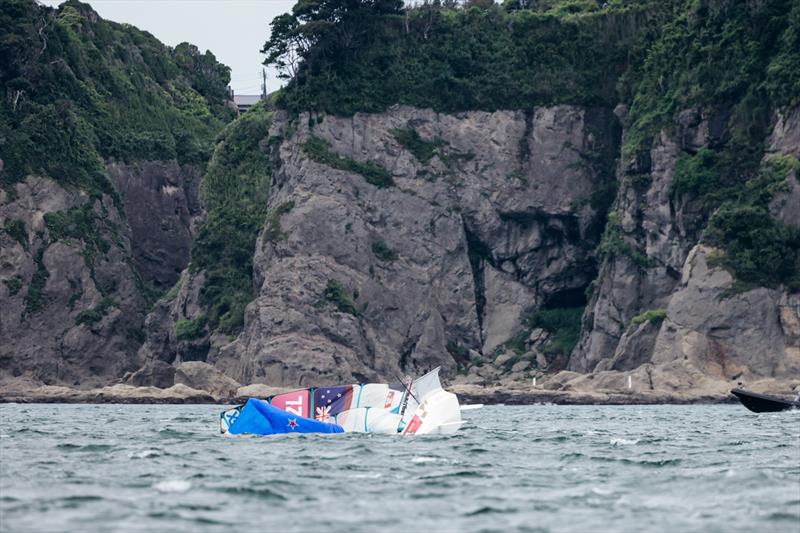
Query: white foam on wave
[[144, 454], [173, 485], [424, 459], [623, 442], [370, 475]]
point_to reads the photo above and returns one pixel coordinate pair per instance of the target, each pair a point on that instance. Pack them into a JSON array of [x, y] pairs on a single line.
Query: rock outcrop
[[494, 216], [660, 299], [738, 336], [481, 220], [162, 206], [77, 269], [72, 309]]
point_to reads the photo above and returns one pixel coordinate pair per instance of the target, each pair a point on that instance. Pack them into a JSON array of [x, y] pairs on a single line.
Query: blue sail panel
[[258, 417]]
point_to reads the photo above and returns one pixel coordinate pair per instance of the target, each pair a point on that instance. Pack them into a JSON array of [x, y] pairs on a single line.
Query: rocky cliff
[[77, 270], [398, 241], [104, 135], [664, 296]]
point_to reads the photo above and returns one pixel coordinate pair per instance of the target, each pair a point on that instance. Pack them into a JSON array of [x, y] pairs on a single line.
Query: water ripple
[[535, 468]]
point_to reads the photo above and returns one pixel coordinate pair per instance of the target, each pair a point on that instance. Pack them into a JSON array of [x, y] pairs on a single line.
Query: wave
[[264, 493], [173, 485]]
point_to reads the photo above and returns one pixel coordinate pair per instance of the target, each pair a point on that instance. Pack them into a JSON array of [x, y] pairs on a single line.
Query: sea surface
[[532, 468]]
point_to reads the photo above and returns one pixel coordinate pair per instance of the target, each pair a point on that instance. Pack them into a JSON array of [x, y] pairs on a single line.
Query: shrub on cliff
[[341, 297], [320, 151], [186, 330]]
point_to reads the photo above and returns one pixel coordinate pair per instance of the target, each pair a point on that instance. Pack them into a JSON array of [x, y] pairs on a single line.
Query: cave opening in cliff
[[566, 298]]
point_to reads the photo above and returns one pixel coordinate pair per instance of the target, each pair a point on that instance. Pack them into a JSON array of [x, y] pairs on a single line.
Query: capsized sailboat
[[416, 408]]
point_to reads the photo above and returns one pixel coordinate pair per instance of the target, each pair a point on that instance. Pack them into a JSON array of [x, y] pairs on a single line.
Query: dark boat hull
[[763, 403]]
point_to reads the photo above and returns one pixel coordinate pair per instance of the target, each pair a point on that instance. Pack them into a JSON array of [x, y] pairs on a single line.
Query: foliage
[[235, 191], [273, 231], [137, 335], [564, 325], [80, 89], [518, 343], [320, 151], [296, 36], [382, 251], [420, 148], [16, 230], [654, 316], [341, 297], [757, 248], [460, 354], [35, 299], [370, 57], [95, 314], [172, 293], [734, 55], [613, 243], [783, 72], [13, 284], [186, 330], [697, 174], [80, 223]]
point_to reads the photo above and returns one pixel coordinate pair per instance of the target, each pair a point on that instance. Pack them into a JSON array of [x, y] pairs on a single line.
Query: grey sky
[[234, 30]]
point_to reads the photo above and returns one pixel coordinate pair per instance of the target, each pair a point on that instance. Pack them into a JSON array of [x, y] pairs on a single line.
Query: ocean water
[[532, 468]]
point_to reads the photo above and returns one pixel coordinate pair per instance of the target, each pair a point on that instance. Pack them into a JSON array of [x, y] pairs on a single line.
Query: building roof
[[246, 99]]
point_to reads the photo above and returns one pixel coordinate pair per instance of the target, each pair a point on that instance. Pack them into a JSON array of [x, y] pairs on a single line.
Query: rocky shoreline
[[181, 394], [198, 382], [508, 394]]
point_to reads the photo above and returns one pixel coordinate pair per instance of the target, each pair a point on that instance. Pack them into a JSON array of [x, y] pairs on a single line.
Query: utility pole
[[263, 83]]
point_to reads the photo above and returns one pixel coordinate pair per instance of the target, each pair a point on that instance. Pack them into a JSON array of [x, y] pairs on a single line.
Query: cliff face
[[104, 134], [447, 259], [77, 270], [688, 307], [397, 241], [72, 310], [402, 240], [162, 206]]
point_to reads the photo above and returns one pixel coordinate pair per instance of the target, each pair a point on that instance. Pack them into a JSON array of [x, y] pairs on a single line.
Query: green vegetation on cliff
[[736, 63], [653, 316], [235, 191], [320, 151], [186, 330], [95, 314], [344, 57], [563, 324], [341, 297], [80, 89], [735, 60]]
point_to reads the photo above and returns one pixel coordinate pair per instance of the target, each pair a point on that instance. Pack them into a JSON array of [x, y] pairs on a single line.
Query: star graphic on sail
[[323, 413], [337, 399], [292, 423]]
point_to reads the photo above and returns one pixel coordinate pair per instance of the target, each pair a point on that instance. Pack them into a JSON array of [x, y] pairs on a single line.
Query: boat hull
[[763, 403]]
